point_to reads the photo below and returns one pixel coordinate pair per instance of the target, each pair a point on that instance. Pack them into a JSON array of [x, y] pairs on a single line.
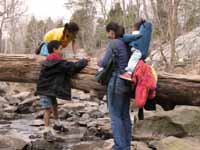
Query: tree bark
[[172, 89]]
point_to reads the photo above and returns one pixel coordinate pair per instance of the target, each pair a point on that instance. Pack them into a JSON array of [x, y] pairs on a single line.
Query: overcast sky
[[48, 8]]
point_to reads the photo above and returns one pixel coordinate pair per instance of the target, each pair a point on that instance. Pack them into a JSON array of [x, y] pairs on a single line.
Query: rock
[[12, 100], [44, 145], [8, 116], [139, 146], [22, 95], [181, 122], [61, 102], [192, 47], [103, 108], [86, 116], [3, 88], [29, 101], [84, 96], [73, 106], [25, 109], [11, 143], [100, 145], [3, 103], [37, 123], [173, 143], [26, 106], [10, 109], [100, 128], [40, 114]]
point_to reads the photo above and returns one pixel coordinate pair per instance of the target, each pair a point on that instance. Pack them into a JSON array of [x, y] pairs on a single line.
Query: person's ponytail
[[64, 31]]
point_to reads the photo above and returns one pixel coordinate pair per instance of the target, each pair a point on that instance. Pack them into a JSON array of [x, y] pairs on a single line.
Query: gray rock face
[[181, 122], [186, 45], [3, 88], [44, 145], [11, 143], [173, 143]]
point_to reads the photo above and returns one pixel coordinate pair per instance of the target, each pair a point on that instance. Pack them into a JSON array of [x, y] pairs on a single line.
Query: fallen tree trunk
[[172, 89]]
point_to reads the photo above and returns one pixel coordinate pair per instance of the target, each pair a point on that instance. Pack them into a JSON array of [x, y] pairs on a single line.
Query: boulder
[[173, 143], [181, 122], [11, 143]]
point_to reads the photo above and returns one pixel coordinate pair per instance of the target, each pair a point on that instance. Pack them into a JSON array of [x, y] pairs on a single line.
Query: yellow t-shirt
[[56, 34]]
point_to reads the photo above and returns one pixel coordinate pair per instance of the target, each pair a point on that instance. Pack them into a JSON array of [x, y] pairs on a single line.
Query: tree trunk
[[172, 89]]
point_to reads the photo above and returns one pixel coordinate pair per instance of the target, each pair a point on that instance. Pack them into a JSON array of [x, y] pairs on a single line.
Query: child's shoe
[[126, 76], [48, 135]]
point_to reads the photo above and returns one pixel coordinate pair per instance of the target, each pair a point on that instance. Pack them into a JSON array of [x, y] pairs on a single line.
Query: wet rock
[[8, 116], [40, 114], [100, 128], [61, 102], [12, 100], [84, 96], [25, 109], [3, 103], [3, 88], [10, 109], [99, 145], [73, 106], [26, 106], [44, 145], [37, 123], [103, 108], [173, 143], [139, 146], [181, 122], [11, 143], [22, 95]]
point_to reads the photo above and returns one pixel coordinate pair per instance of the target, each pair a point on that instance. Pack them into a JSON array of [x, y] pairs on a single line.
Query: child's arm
[[127, 38], [73, 67]]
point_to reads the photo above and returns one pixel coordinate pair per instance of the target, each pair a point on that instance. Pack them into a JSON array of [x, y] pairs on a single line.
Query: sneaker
[[49, 136], [126, 76]]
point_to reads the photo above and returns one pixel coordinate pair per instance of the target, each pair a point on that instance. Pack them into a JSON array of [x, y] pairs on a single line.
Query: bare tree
[[172, 23], [145, 9], [10, 12], [103, 4]]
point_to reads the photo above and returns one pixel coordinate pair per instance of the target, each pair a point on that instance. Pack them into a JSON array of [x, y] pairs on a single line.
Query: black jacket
[[55, 78]]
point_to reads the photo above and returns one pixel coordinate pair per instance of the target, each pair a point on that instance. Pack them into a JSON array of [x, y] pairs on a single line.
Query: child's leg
[[55, 112], [47, 114], [46, 104], [132, 63], [54, 107]]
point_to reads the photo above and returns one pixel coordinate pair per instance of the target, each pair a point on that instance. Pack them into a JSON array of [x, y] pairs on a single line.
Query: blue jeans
[[118, 105]]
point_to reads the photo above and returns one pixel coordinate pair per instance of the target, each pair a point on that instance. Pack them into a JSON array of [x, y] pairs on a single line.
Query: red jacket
[[54, 56], [145, 84]]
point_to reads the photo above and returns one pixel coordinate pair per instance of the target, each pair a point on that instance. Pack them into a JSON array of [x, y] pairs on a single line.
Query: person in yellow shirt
[[66, 35]]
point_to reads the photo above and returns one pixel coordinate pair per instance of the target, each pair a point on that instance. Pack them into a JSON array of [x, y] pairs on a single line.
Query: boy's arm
[[127, 38], [73, 67]]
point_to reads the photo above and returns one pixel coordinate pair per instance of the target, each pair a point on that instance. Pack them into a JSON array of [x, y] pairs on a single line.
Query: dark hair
[[115, 27], [53, 45], [70, 27], [139, 23]]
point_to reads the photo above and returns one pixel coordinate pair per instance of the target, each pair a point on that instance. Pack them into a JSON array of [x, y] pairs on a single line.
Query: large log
[[172, 89]]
